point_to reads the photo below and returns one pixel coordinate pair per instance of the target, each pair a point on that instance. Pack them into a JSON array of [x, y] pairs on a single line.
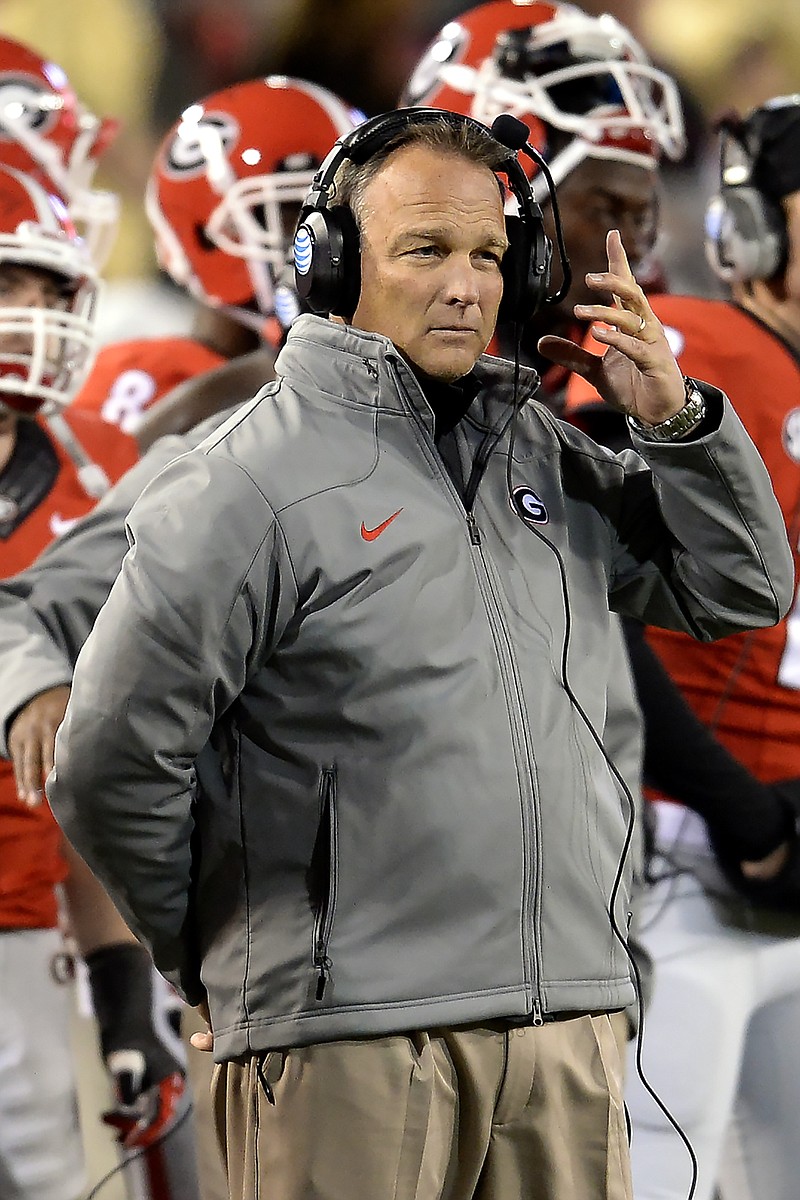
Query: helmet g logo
[[528, 507], [188, 152], [21, 105], [446, 49]]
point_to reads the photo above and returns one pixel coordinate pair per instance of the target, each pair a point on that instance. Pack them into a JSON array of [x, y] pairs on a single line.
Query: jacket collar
[[362, 368]]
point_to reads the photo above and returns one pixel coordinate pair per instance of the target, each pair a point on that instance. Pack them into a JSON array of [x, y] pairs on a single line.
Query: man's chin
[[449, 364]]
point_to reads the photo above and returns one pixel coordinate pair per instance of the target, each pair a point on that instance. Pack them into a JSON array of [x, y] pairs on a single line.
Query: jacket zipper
[[532, 835], [323, 918], [479, 464], [531, 884], [474, 532], [488, 445]]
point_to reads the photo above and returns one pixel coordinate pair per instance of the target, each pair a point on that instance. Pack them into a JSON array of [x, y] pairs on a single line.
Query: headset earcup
[[327, 263], [745, 235], [525, 268], [514, 268]]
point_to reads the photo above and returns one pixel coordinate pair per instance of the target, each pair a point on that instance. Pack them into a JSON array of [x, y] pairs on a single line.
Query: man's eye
[[425, 251], [602, 214]]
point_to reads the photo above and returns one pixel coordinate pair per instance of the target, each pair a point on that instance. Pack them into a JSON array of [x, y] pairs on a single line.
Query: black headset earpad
[[327, 260], [525, 269]]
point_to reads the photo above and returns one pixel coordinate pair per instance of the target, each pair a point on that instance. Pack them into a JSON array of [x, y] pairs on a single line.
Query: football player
[[598, 112], [48, 289], [49, 134], [721, 921], [223, 197]]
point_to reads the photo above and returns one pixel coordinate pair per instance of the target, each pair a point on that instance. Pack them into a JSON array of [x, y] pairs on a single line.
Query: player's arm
[[198, 399], [686, 762], [47, 612]]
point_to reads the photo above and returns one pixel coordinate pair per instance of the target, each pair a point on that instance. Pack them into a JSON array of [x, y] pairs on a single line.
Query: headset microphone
[[511, 132]]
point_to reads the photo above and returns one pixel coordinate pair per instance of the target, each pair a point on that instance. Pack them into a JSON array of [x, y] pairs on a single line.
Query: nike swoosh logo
[[60, 525], [369, 535]]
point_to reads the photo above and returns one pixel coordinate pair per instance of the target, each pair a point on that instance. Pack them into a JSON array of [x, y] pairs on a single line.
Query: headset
[[745, 230], [327, 256]]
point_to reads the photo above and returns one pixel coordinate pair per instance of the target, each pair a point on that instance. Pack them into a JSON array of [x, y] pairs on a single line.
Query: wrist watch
[[678, 426]]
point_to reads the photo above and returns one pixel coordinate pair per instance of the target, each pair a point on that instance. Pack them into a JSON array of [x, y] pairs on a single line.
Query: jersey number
[[132, 392]]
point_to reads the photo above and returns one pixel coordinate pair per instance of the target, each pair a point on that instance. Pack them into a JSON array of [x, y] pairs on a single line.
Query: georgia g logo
[[21, 105], [528, 507], [187, 153], [448, 48]]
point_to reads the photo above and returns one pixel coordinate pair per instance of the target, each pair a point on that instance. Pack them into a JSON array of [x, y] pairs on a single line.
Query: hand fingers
[[203, 1041], [27, 763], [568, 354], [623, 319], [48, 751], [617, 258], [632, 347], [625, 292]]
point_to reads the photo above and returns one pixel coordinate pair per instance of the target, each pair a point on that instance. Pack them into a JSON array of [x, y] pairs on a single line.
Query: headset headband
[[359, 145], [326, 244]]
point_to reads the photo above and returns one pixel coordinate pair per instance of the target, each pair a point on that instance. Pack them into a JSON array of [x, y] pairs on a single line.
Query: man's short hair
[[464, 139]]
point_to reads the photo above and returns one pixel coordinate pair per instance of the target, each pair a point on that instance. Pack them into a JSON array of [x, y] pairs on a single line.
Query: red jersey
[[128, 377], [41, 495], [746, 688]]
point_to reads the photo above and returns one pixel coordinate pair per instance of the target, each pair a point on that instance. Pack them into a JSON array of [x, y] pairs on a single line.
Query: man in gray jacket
[[400, 889]]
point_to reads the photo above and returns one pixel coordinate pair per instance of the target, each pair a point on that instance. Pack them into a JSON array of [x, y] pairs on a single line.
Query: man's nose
[[463, 282]]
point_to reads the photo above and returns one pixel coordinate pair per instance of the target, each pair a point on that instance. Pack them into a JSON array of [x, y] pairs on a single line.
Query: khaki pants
[[199, 1065], [480, 1113]]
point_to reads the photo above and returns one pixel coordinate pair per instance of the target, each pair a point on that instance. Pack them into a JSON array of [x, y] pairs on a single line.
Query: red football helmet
[[556, 68], [48, 134], [227, 185], [45, 352]]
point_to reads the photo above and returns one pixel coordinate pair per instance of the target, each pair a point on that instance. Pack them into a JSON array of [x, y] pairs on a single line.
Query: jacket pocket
[[323, 879]]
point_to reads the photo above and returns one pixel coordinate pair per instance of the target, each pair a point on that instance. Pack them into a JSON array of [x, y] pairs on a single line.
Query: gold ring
[[642, 324]]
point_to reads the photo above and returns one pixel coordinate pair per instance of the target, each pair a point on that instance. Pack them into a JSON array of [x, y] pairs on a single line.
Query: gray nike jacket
[[48, 610], [413, 823]]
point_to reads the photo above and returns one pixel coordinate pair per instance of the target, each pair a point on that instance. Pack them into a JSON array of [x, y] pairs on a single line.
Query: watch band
[[678, 426]]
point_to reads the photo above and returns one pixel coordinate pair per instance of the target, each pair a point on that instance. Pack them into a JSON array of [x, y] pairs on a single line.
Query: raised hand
[[638, 374]]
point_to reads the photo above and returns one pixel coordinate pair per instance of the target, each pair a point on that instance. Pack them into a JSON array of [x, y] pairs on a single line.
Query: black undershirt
[[28, 476], [449, 401]]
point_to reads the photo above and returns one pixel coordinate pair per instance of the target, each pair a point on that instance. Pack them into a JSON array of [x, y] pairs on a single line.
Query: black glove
[[783, 892], [139, 1042]]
